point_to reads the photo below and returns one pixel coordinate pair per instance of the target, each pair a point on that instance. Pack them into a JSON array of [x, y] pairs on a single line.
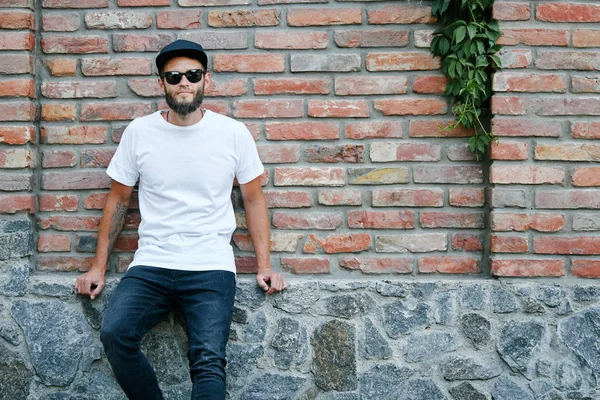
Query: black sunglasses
[[193, 76]]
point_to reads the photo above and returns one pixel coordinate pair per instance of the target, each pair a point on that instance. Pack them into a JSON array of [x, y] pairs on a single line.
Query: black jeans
[[142, 299]]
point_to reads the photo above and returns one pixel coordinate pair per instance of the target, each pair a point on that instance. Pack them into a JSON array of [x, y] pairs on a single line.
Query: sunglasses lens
[[194, 75], [173, 78]]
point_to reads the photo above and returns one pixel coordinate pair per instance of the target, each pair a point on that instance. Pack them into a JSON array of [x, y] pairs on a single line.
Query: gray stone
[[420, 388], [399, 318], [391, 289], [374, 345], [507, 389], [531, 306], [541, 387], [16, 239], [339, 396], [298, 298], [51, 289], [476, 328], [15, 280], [273, 387], [92, 310], [545, 368], [586, 293], [290, 342], [334, 363], [550, 295], [348, 305], [422, 290], [466, 391], [55, 336], [472, 297], [429, 344], [342, 286], [468, 368], [564, 308], [519, 342], [9, 332], [166, 356], [382, 380], [91, 354], [445, 309], [523, 291], [580, 333], [239, 315], [256, 328], [309, 394], [98, 384], [178, 392], [249, 294], [15, 377], [503, 301], [568, 377], [242, 359]]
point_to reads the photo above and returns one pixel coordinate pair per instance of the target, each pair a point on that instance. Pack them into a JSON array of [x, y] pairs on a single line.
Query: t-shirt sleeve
[[249, 166], [123, 166]]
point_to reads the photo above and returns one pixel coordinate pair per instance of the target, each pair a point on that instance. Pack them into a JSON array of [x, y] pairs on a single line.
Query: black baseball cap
[[181, 48]]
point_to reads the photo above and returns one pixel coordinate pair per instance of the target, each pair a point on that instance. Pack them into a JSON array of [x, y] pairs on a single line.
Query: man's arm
[[257, 218], [113, 218]]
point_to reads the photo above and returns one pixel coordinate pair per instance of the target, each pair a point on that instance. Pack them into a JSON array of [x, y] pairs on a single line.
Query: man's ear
[[207, 81], [161, 83]]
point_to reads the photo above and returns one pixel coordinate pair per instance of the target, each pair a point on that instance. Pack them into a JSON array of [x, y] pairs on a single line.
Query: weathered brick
[[246, 264], [309, 176], [73, 180], [521, 222], [279, 154], [324, 16], [305, 265], [219, 107], [61, 66], [128, 42], [534, 37], [280, 242], [17, 111], [511, 11], [63, 44], [348, 153], [264, 86], [17, 134], [585, 268], [143, 3], [463, 174], [509, 244], [117, 20], [405, 61], [423, 38], [414, 243], [371, 38], [430, 84], [460, 152], [375, 129], [373, 265], [366, 85], [508, 105], [566, 245], [411, 106], [391, 152], [73, 134], [212, 40], [51, 243], [268, 108], [338, 109], [378, 176], [527, 267], [525, 127], [526, 174], [17, 20], [69, 222], [17, 88], [381, 219], [115, 66], [269, 2], [16, 64], [448, 265], [467, 197], [17, 41], [409, 14], [346, 197], [94, 158], [508, 150], [585, 84], [178, 19], [568, 152], [288, 199], [561, 12], [58, 158], [58, 112], [248, 63], [244, 18], [47, 262], [321, 220], [442, 219], [58, 202], [567, 199], [338, 243], [568, 106], [14, 203], [408, 198], [583, 177], [576, 60], [466, 242], [67, 22], [585, 130], [16, 3], [74, 3], [586, 38], [325, 63], [423, 128], [78, 90], [301, 131], [528, 82], [16, 182], [97, 200], [515, 58], [501, 198], [114, 111], [16, 158], [208, 3]]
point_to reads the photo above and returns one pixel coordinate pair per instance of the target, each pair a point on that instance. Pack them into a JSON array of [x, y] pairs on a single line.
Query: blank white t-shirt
[[185, 180]]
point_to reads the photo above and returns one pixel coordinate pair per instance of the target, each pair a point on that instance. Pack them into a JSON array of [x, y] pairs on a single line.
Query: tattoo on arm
[[116, 224]]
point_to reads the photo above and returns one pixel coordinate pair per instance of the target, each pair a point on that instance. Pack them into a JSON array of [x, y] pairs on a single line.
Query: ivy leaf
[[472, 30], [494, 26], [444, 46], [459, 34], [472, 144], [496, 60], [480, 47]]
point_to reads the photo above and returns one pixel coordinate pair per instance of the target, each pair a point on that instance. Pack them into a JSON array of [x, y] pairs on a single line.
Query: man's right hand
[[91, 283]]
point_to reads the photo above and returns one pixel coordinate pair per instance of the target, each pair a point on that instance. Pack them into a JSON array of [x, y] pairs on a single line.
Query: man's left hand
[[270, 281]]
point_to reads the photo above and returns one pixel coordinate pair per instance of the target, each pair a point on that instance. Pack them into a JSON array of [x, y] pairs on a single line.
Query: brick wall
[[344, 101]]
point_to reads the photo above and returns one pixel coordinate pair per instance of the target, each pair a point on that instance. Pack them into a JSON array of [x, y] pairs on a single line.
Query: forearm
[[111, 224], [257, 218]]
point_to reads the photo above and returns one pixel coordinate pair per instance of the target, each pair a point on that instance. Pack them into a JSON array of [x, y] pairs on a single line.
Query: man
[[186, 159]]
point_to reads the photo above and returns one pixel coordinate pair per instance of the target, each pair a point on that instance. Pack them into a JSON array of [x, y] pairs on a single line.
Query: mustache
[[185, 107]]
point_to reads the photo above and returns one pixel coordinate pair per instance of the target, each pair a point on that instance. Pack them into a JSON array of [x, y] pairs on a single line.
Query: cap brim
[[162, 58]]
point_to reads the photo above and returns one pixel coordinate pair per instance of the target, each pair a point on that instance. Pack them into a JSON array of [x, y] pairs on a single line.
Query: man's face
[[184, 97]]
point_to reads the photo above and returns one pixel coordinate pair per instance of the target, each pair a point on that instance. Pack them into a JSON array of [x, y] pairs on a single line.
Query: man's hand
[[91, 283], [270, 281]]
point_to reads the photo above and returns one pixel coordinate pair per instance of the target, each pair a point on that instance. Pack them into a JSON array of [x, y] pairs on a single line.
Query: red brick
[[534, 37], [58, 112], [570, 60], [246, 264], [508, 105], [16, 64], [525, 127], [125, 42], [77, 90], [74, 3], [143, 3], [52, 243], [346, 197], [17, 134], [430, 84], [94, 158], [64, 263], [567, 245], [305, 265], [288, 199], [506, 150], [126, 242], [528, 82], [527, 268], [460, 152], [408, 14], [324, 16], [61, 66], [285, 220], [560, 12], [97, 200], [117, 20], [279, 154], [570, 106], [515, 58], [248, 63], [378, 265], [291, 86], [526, 174], [585, 177], [339, 243], [11, 204], [58, 158], [406, 61], [448, 265], [244, 18], [75, 180], [268, 108], [69, 223], [309, 176], [381, 219], [511, 11], [68, 22], [178, 19], [377, 176], [466, 242], [567, 199], [585, 130], [586, 38], [219, 107], [408, 198], [17, 88], [467, 197], [11, 182], [58, 202], [585, 268], [509, 244], [568, 152], [585, 84], [113, 66], [207, 3], [17, 41], [114, 111], [17, 20], [16, 3], [411, 106], [146, 87], [372, 38], [230, 88], [451, 220], [371, 130], [390, 152], [338, 109], [367, 85], [73, 134], [349, 153], [280, 242], [422, 128], [63, 44]]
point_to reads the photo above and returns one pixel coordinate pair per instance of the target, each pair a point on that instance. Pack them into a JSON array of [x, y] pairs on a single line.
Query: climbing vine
[[466, 43]]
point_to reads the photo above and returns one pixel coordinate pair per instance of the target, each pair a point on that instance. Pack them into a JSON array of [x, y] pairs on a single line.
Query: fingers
[[261, 282], [97, 291], [277, 283]]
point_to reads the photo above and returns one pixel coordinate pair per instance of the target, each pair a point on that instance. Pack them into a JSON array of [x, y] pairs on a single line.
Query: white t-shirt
[[185, 181]]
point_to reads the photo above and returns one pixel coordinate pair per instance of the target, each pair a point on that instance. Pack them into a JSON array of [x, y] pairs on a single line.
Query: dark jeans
[[142, 299]]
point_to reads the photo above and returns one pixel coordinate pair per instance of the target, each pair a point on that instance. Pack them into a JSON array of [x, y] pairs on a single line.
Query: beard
[[185, 107]]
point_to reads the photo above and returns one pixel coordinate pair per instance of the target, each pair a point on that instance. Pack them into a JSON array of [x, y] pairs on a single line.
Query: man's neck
[[184, 120]]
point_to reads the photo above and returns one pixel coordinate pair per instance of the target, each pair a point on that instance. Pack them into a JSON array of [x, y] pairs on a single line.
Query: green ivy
[[466, 43]]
